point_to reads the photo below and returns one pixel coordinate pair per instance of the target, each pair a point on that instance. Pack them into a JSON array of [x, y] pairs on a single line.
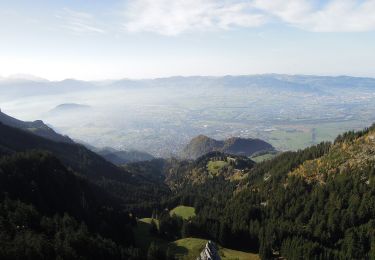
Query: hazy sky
[[92, 39]]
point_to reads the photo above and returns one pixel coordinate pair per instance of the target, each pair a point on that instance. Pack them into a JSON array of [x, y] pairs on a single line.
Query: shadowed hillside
[[47, 211], [137, 193], [37, 127]]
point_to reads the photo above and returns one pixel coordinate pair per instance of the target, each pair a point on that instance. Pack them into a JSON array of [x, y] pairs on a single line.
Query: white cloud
[[79, 22], [333, 16], [172, 17]]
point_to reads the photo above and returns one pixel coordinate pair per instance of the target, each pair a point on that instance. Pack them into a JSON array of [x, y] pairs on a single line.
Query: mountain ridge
[[132, 189], [37, 127], [202, 144]]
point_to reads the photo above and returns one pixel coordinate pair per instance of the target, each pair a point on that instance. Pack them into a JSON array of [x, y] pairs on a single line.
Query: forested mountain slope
[[313, 203], [316, 203], [123, 157], [73, 155], [48, 212], [325, 206], [212, 165], [137, 193], [351, 153]]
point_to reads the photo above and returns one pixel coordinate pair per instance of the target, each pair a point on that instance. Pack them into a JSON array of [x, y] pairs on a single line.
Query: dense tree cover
[[46, 211], [25, 233], [281, 215], [352, 135], [208, 197], [277, 168], [70, 203], [180, 174], [169, 227], [336, 219], [155, 252], [148, 170], [138, 194]]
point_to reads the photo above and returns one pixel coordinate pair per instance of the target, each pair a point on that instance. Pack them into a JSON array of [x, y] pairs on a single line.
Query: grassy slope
[[184, 249], [190, 248], [183, 211], [215, 166], [263, 157]]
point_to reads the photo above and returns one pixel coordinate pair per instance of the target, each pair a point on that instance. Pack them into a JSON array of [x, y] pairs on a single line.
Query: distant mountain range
[[153, 115], [202, 144], [26, 86]]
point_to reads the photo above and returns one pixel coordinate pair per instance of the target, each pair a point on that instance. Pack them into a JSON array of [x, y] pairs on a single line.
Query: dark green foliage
[[123, 157], [73, 155], [278, 215], [186, 230], [170, 226], [139, 194], [169, 254], [37, 127], [47, 211], [153, 227], [265, 249], [155, 252], [148, 170], [40, 179], [224, 234], [26, 234], [335, 218], [352, 135]]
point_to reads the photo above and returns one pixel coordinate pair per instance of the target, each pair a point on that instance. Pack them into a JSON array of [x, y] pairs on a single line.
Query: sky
[[112, 39]]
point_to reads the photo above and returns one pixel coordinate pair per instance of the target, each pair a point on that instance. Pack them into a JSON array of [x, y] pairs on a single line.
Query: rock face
[[210, 252], [201, 145]]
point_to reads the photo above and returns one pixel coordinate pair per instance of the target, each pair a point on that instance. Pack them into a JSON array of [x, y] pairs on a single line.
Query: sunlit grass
[[183, 211]]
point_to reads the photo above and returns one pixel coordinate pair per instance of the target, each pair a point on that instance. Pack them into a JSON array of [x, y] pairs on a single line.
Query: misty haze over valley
[[160, 116]]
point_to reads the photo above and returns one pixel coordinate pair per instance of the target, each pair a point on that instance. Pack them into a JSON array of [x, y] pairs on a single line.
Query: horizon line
[[34, 78]]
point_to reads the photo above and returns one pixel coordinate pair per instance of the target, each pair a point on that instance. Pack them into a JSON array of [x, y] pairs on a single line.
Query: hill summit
[[69, 107], [202, 144]]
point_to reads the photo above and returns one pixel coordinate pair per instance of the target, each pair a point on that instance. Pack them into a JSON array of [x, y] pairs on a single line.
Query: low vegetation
[[184, 212], [263, 156]]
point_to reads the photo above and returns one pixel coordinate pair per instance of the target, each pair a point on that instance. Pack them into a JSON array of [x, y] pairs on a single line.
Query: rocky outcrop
[[210, 252]]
